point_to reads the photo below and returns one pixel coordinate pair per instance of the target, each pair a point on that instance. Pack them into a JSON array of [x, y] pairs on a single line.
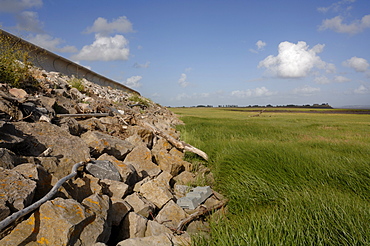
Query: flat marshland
[[292, 178]]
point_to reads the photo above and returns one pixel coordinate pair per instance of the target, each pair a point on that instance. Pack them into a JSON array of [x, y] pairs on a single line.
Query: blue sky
[[190, 52]]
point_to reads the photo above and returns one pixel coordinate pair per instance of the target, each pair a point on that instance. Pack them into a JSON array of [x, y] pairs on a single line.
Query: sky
[[210, 52]]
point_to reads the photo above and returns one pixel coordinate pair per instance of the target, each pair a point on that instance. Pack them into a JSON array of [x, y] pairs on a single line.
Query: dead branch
[[176, 143], [203, 210], [10, 219]]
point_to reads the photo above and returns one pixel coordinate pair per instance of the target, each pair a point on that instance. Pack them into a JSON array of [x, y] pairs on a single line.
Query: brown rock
[[156, 193], [83, 187], [185, 178], [98, 230], [114, 188], [140, 157], [57, 222], [171, 215], [140, 205], [100, 143], [118, 211], [18, 93], [7, 158], [167, 162], [64, 145], [127, 171], [153, 228], [134, 225], [15, 190], [39, 175], [160, 240]]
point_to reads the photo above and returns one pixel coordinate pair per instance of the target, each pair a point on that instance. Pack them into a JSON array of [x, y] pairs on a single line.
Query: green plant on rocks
[[15, 64], [77, 83], [138, 99]]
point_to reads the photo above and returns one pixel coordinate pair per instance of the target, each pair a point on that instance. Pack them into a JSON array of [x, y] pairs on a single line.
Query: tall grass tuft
[[291, 179]]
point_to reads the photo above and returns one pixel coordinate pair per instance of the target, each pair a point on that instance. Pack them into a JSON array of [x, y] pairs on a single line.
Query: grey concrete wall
[[52, 62]]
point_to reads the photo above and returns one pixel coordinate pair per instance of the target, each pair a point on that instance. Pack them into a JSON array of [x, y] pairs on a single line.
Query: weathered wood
[[176, 143], [10, 219], [83, 115], [202, 210]]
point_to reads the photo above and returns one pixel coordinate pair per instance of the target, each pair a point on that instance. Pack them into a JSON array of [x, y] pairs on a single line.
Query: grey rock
[[103, 170], [10, 137], [127, 171]]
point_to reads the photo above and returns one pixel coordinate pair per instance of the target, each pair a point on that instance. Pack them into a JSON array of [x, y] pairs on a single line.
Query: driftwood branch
[[176, 143], [83, 115], [10, 219], [202, 211]]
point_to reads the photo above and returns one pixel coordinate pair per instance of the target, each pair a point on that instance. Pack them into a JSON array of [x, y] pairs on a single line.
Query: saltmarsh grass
[[291, 178]]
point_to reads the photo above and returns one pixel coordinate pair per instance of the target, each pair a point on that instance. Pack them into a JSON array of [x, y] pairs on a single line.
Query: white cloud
[[341, 79], [305, 90], [133, 82], [358, 64], [336, 24], [105, 49], [49, 43], [182, 81], [29, 21], [260, 45], [295, 60], [145, 65], [362, 90], [102, 26], [337, 6], [322, 80], [14, 6], [257, 92]]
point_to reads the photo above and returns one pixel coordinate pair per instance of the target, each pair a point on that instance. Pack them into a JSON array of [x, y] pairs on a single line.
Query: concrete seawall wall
[[52, 62]]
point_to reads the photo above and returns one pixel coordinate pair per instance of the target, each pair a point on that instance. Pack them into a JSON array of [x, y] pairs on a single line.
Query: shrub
[[138, 99], [77, 83], [15, 64]]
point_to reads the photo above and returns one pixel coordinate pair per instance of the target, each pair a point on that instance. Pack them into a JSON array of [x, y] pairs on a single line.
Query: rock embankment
[[133, 172]]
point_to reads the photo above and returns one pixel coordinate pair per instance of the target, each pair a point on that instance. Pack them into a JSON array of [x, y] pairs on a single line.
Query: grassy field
[[291, 178]]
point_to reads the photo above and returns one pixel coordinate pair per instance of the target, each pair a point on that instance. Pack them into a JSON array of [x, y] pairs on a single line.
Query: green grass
[[291, 178]]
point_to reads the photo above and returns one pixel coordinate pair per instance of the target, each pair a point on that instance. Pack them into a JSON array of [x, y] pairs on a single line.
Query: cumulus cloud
[[105, 49], [182, 81], [322, 80], [49, 43], [145, 65], [362, 90], [14, 6], [295, 60], [358, 64], [257, 92], [305, 90], [102, 26], [336, 24], [133, 82], [337, 6], [260, 45], [29, 21], [341, 79]]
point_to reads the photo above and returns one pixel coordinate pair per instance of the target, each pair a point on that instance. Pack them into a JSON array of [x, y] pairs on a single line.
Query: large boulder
[[100, 143], [16, 191], [171, 215], [70, 149], [140, 205], [133, 225], [156, 192], [57, 222], [141, 158], [98, 230], [7, 158], [103, 170], [159, 240], [127, 171]]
